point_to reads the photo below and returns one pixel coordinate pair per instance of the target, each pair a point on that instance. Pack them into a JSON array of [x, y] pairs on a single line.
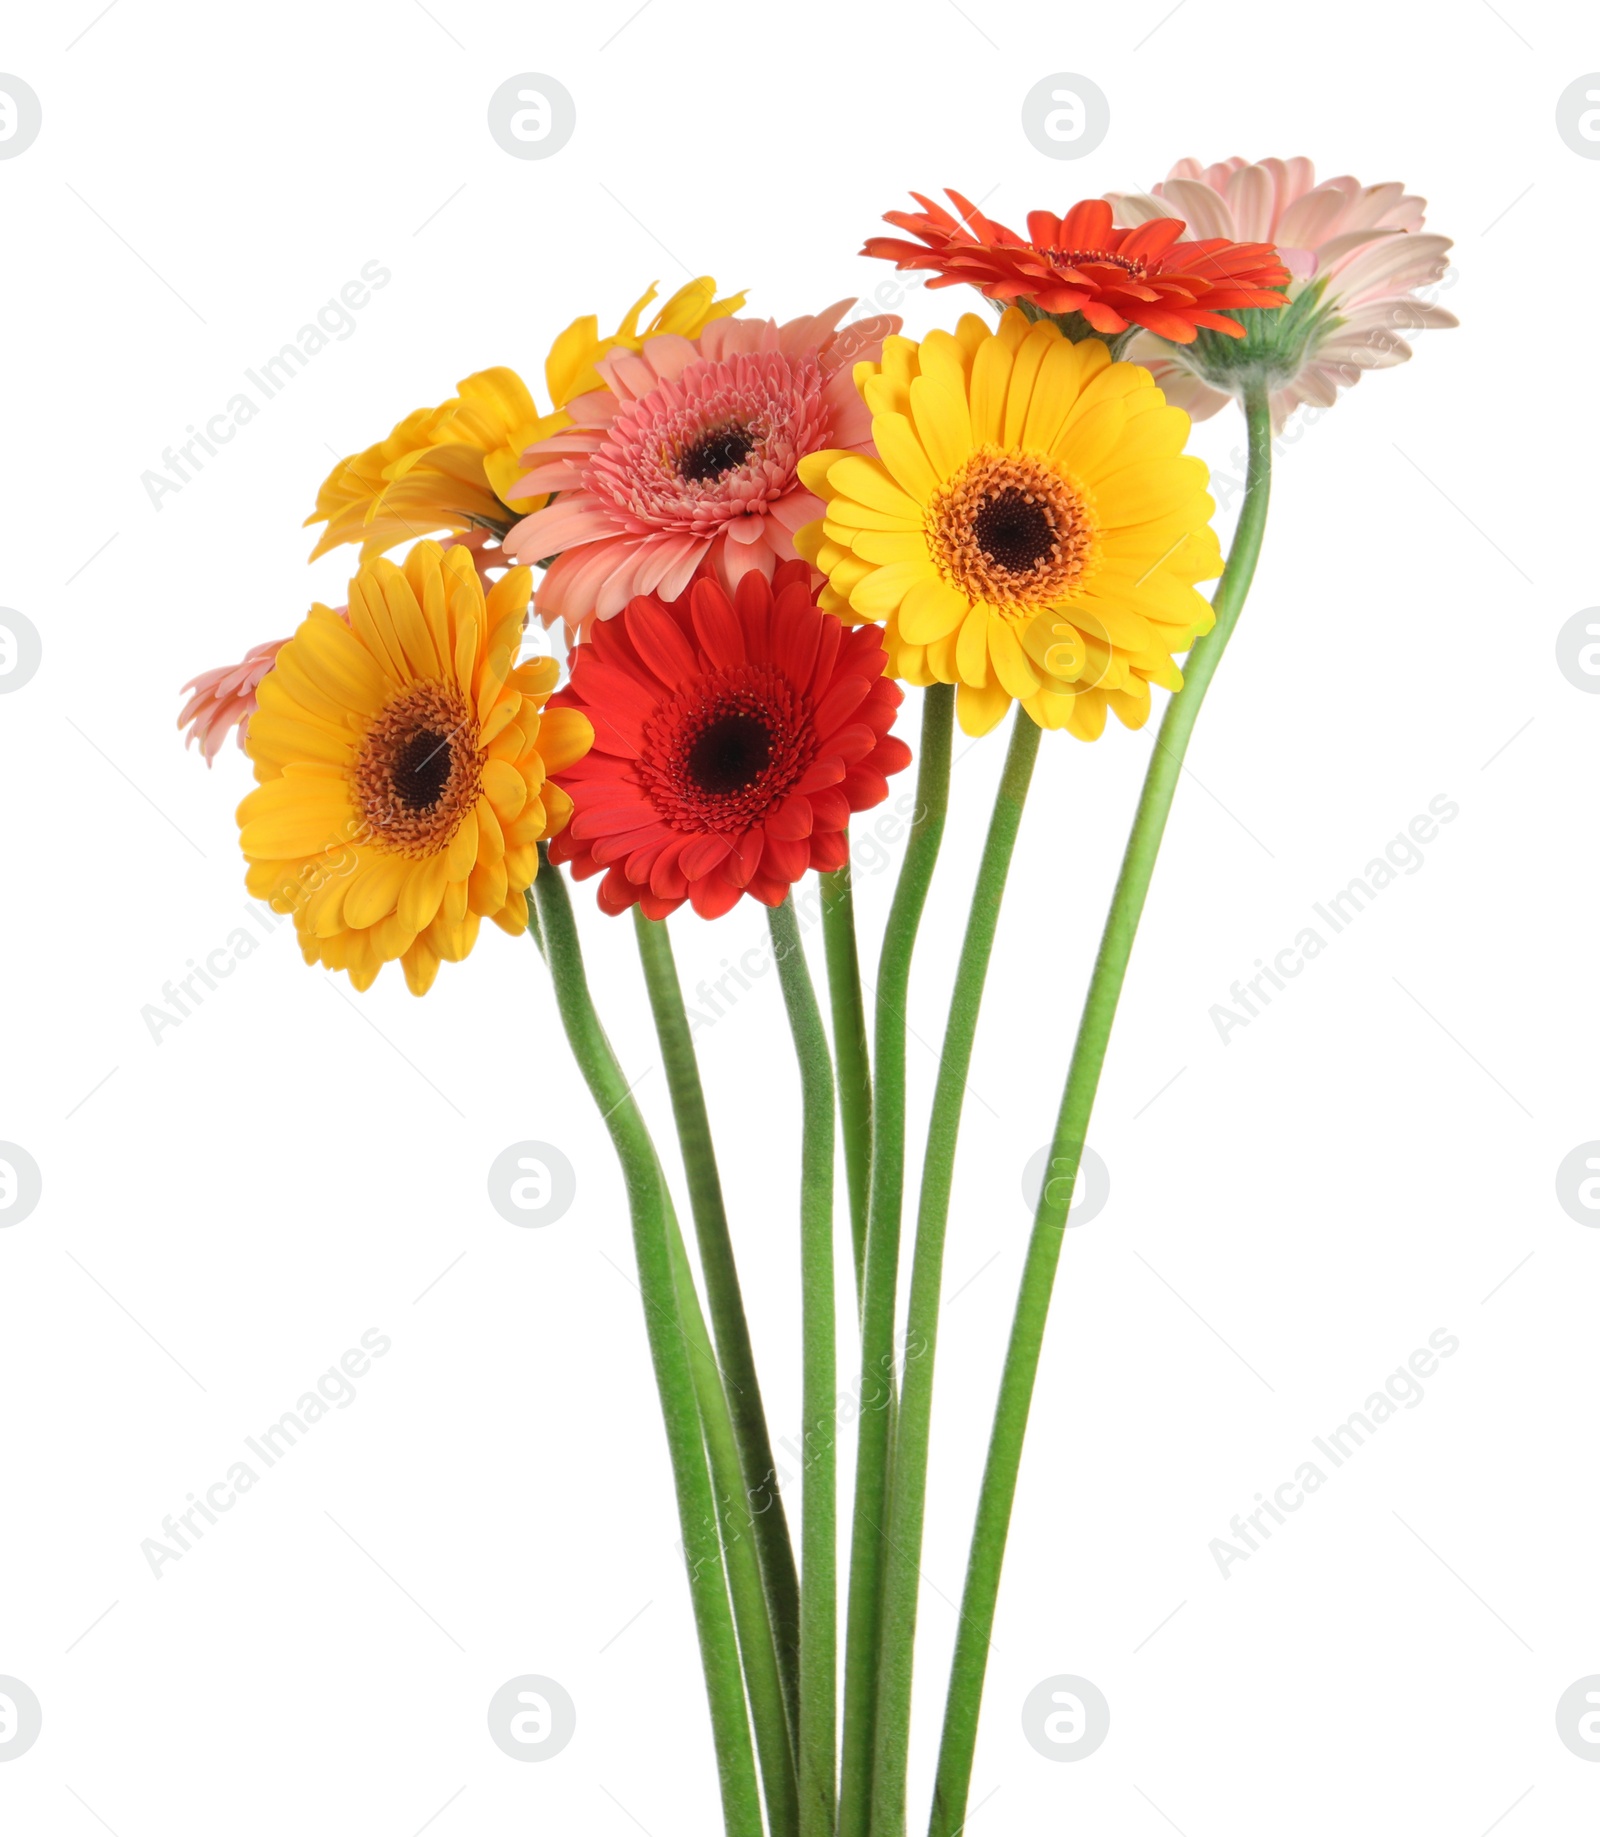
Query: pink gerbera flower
[[690, 454], [1362, 248], [226, 698]]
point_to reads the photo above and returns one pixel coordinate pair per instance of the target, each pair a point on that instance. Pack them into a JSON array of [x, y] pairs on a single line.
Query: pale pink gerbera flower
[[1355, 254], [690, 454], [226, 698]]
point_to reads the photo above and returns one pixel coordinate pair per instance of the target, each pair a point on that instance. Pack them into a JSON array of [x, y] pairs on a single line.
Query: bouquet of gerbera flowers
[[757, 536]]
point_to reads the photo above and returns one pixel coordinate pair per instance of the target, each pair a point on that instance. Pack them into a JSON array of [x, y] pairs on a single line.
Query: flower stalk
[[670, 1356], [818, 1745], [882, 1261], [909, 1481], [757, 1507], [998, 1491], [850, 1051]]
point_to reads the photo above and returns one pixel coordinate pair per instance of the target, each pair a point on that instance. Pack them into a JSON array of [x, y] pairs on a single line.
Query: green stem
[[910, 1466], [850, 1050], [761, 1506], [819, 1382], [768, 1710], [653, 1230], [881, 1275], [999, 1487]]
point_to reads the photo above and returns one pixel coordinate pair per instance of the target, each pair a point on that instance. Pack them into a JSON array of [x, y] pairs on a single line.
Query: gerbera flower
[[1355, 255], [1030, 530], [452, 467], [733, 739], [1080, 265], [689, 453], [225, 698], [403, 757]]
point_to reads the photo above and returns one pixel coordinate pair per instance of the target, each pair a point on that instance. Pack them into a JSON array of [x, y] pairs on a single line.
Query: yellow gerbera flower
[[569, 369], [1031, 529], [402, 759], [452, 467]]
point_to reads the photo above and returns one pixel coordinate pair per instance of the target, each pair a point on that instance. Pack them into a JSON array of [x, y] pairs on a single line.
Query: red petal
[[831, 636], [660, 642], [699, 856], [617, 892], [864, 787], [796, 634], [792, 574], [891, 754], [770, 892], [830, 850], [617, 696], [792, 820], [826, 771], [1088, 226], [752, 601], [716, 625], [667, 880], [620, 820], [839, 703], [713, 896], [830, 809], [787, 860], [853, 743], [747, 853]]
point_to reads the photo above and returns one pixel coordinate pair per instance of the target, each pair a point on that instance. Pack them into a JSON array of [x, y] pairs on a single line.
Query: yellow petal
[[869, 483], [420, 896], [1010, 666], [881, 590], [1146, 492], [991, 373], [978, 710], [930, 609], [1094, 444], [340, 665], [1025, 363], [890, 545], [291, 817], [421, 965], [939, 413], [901, 451], [564, 737], [463, 850], [972, 647], [1055, 389], [814, 469], [506, 789], [374, 889]]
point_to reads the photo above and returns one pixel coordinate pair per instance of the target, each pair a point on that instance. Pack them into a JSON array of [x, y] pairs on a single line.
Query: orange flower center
[[419, 770], [1009, 530]]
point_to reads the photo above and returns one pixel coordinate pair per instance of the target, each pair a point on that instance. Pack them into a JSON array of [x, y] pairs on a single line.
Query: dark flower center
[[729, 754], [726, 750], [1076, 258], [714, 453], [421, 769], [1014, 531], [418, 771]]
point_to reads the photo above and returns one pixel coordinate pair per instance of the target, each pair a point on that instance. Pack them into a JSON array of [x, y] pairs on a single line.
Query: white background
[[227, 1211]]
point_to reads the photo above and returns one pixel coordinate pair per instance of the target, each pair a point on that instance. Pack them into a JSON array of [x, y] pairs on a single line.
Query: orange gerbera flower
[[1080, 264]]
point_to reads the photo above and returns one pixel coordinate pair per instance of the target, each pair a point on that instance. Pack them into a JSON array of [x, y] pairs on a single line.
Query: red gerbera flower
[[733, 739], [1080, 264]]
